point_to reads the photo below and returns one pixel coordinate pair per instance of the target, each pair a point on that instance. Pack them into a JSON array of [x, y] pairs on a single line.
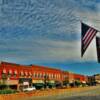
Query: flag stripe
[[87, 33], [89, 41], [88, 36]]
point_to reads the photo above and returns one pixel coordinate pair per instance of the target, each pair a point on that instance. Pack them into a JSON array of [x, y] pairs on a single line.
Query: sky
[[48, 32]]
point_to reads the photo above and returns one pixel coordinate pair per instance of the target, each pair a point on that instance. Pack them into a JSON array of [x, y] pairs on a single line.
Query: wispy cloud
[[45, 30]]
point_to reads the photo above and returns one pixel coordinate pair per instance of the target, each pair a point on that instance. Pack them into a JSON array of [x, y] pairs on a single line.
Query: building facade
[[18, 76]]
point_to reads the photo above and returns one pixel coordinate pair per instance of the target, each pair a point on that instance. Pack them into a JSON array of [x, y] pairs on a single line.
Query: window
[[4, 71], [4, 76], [49, 75], [59, 76], [22, 74], [10, 73], [38, 75], [44, 75], [30, 74], [53, 76], [35, 75], [26, 74], [15, 73]]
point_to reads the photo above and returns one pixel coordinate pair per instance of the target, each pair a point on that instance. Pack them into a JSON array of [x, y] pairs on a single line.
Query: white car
[[29, 89]]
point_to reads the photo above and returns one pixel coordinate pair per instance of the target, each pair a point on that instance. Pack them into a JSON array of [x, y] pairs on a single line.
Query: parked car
[[29, 89]]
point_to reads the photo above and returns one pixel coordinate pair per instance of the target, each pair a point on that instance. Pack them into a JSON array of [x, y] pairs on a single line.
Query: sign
[[25, 83], [38, 81]]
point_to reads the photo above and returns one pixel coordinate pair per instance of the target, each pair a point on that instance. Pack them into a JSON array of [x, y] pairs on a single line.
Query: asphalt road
[[90, 94]]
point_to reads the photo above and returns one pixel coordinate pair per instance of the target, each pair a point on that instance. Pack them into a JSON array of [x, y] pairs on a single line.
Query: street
[[90, 94]]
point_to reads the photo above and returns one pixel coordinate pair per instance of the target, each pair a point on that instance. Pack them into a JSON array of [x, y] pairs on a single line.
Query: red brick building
[[17, 75]]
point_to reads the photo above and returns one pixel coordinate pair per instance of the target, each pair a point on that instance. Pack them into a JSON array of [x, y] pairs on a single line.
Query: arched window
[[38, 75], [22, 74], [35, 75], [4, 71], [49, 75], [26, 73], [15, 73], [30, 74], [4, 74], [10, 73]]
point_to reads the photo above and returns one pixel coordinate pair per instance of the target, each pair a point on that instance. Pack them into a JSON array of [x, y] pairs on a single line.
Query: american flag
[[98, 48], [88, 34]]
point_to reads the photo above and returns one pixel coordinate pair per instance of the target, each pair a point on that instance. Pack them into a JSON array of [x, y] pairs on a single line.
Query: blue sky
[[48, 32]]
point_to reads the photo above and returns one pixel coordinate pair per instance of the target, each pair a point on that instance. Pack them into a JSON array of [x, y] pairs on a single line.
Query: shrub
[[7, 91], [77, 83]]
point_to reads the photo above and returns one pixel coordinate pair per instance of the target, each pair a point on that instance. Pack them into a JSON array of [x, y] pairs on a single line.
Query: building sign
[[25, 83], [37, 81], [22, 80], [52, 81]]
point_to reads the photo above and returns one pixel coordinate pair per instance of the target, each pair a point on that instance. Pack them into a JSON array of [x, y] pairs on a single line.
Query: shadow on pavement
[[97, 97], [81, 98]]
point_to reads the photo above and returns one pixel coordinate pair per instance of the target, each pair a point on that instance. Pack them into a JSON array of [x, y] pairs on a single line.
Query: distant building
[[97, 78], [91, 80]]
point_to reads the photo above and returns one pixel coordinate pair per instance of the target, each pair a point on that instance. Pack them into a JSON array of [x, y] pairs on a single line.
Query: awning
[[51, 84], [71, 81], [98, 81]]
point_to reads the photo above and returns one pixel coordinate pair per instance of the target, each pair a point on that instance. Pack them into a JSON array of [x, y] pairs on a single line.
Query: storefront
[[24, 83], [38, 84], [51, 84]]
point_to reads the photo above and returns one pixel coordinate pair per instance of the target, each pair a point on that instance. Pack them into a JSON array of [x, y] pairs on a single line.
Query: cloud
[[55, 20], [46, 51], [39, 19], [45, 30]]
